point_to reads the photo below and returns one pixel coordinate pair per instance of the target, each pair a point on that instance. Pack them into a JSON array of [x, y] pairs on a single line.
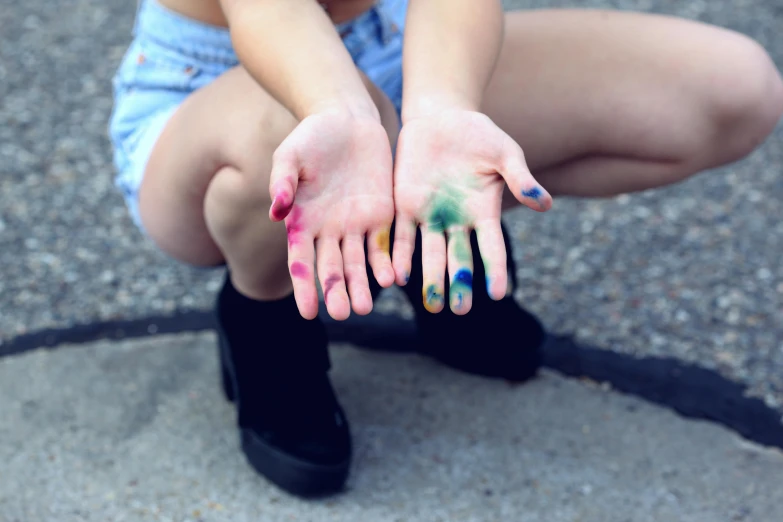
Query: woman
[[234, 115]]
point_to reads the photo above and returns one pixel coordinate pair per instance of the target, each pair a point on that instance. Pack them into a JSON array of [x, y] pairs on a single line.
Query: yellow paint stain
[[430, 308], [382, 240], [433, 300]]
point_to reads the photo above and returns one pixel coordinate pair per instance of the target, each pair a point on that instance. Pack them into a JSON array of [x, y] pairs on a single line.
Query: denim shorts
[[171, 56]]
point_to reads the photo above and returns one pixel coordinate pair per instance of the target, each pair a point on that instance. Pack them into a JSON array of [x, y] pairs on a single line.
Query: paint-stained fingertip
[[281, 206], [492, 289], [433, 298], [402, 277], [537, 198], [461, 302]]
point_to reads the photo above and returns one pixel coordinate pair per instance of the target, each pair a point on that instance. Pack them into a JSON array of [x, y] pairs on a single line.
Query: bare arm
[[451, 48], [292, 49]]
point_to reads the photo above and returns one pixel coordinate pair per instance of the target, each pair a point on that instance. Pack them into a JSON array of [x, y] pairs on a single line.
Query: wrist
[[355, 108], [420, 106]]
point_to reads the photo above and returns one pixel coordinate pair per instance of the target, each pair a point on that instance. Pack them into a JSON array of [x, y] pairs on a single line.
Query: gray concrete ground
[[138, 431]]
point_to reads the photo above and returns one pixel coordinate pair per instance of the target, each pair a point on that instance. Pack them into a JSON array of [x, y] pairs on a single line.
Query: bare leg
[[204, 201], [205, 197], [609, 102]]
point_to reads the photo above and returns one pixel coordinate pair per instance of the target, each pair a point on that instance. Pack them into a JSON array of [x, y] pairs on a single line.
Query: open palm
[[331, 182], [449, 178]]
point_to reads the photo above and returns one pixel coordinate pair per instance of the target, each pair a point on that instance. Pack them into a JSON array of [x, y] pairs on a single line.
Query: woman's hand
[[332, 183], [449, 178]]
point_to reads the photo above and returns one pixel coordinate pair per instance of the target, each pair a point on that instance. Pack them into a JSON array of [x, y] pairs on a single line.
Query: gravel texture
[[691, 272], [138, 431]]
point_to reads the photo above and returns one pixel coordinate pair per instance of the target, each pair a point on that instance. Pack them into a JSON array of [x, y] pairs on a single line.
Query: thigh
[[230, 122], [576, 83]]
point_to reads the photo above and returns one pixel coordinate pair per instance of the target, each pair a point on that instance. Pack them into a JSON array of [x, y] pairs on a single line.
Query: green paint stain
[[461, 248], [446, 210]]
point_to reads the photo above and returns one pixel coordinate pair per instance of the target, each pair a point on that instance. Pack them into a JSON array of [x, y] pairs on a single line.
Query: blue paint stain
[[459, 300], [533, 193], [463, 276], [407, 277], [489, 285], [432, 294]]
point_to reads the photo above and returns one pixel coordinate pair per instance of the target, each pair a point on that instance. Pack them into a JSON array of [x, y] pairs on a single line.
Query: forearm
[[290, 48], [450, 51]]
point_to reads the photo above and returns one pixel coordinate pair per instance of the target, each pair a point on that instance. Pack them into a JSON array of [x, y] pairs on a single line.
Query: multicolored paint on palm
[[446, 212]]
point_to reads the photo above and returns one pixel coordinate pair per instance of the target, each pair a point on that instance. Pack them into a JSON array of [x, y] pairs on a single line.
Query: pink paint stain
[[299, 269], [329, 285], [293, 226], [281, 206]]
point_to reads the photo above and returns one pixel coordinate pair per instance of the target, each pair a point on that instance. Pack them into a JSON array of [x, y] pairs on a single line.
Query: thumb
[[283, 182], [520, 181]]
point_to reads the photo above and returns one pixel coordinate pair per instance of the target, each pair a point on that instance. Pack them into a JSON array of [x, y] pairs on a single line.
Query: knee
[[237, 197], [233, 199], [747, 99]]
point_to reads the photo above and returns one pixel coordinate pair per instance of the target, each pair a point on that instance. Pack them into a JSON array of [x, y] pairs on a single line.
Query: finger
[[378, 255], [356, 274], [460, 260], [493, 255], [404, 242], [521, 182], [433, 264], [330, 274], [301, 260], [283, 183]]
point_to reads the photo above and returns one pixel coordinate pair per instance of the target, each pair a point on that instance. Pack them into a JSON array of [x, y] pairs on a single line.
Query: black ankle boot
[[274, 366], [495, 339]]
